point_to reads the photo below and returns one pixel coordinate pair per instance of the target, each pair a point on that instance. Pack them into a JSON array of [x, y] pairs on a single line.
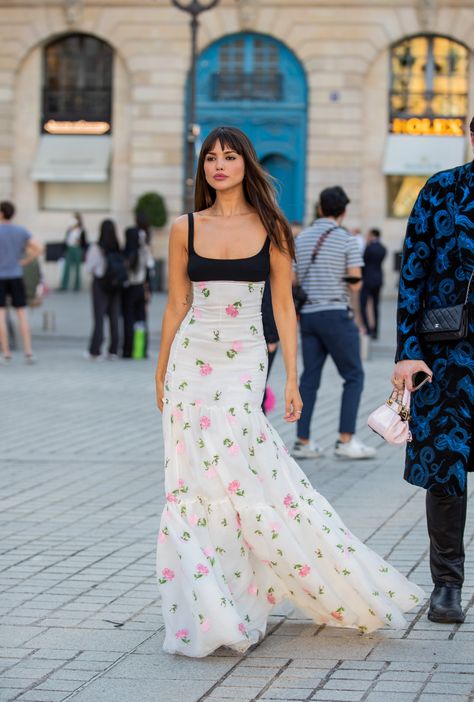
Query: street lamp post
[[194, 8]]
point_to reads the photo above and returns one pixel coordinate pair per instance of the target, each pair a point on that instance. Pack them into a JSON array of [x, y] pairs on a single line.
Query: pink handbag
[[390, 420]]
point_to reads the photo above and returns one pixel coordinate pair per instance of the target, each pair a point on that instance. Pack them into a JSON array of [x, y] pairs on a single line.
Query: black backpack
[[115, 275]]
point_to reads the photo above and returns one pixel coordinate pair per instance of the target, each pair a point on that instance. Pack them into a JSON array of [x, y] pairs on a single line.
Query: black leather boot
[[446, 519], [445, 605]]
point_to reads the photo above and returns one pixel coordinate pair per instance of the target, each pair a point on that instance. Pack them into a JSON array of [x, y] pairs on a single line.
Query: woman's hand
[[160, 391], [402, 376], [293, 402]]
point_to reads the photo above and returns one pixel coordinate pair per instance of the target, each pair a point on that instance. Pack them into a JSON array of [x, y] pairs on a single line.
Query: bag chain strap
[[468, 288]]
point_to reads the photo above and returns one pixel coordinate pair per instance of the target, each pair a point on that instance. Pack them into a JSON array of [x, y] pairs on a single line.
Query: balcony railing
[[267, 87], [71, 104]]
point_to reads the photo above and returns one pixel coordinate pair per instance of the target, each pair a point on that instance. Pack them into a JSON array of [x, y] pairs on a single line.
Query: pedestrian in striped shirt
[[328, 266]]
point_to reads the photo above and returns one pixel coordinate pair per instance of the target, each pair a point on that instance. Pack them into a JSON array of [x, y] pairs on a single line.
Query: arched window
[[77, 85], [429, 78]]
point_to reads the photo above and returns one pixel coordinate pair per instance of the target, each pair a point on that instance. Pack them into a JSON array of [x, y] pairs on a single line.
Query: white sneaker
[[354, 449], [89, 357], [309, 450]]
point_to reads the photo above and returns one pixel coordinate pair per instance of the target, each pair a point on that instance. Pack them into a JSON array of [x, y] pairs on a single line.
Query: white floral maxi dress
[[243, 528]]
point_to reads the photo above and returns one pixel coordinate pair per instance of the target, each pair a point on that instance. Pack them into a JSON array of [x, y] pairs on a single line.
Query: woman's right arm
[[179, 299]]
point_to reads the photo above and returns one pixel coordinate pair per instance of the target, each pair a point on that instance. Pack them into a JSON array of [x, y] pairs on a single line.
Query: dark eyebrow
[[226, 151]]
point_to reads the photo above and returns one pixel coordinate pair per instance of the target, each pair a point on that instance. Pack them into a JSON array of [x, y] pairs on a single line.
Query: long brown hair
[[259, 190]]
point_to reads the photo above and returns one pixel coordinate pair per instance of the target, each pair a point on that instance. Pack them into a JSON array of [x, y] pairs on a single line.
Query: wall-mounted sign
[[79, 127], [427, 126]]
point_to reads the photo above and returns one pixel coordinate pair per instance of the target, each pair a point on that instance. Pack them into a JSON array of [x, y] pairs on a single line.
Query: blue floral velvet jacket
[[438, 259], [438, 254]]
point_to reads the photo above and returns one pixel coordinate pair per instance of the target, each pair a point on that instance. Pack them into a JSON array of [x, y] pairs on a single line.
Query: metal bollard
[[49, 320], [365, 347]]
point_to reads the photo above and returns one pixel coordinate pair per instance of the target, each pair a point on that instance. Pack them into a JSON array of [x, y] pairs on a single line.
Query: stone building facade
[[321, 87]]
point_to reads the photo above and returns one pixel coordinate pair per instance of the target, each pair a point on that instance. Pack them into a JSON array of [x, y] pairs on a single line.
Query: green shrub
[[154, 208]]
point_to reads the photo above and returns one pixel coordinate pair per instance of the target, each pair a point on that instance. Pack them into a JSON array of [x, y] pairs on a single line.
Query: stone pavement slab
[[82, 492]]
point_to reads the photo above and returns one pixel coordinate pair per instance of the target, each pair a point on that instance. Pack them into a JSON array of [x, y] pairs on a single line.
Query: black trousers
[[446, 519], [370, 293], [104, 303], [134, 310]]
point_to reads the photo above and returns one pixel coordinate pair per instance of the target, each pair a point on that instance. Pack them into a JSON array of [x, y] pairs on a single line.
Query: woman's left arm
[[285, 318]]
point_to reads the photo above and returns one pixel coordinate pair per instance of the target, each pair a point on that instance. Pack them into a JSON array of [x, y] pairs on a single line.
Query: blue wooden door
[[254, 82]]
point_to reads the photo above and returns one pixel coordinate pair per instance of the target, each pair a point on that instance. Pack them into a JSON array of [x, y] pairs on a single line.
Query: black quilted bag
[[446, 323]]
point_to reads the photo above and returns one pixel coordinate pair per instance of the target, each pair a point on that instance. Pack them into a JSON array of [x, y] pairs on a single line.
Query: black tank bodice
[[252, 268]]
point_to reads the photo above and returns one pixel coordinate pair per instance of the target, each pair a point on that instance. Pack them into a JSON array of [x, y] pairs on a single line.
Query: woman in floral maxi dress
[[243, 528]]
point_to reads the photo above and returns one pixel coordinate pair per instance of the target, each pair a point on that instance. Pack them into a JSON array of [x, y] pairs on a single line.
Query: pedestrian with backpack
[[107, 265]]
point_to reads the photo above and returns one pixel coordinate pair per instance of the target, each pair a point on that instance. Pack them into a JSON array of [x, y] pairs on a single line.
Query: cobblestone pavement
[[82, 491]]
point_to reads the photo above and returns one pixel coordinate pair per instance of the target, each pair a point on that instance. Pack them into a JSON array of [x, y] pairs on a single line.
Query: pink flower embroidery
[[181, 483], [292, 513], [263, 436], [304, 571], [252, 589], [205, 625], [337, 615], [182, 634], [231, 418], [202, 285], [201, 568], [245, 378], [233, 486], [177, 413], [168, 574], [197, 313], [232, 311], [180, 447], [205, 369], [242, 628], [204, 422], [171, 498], [211, 473], [208, 551], [193, 519], [162, 537], [271, 598], [198, 403], [288, 500], [275, 526], [234, 449], [237, 346]]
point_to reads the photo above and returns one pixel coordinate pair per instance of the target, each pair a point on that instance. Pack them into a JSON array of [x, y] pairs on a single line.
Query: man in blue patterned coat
[[438, 260]]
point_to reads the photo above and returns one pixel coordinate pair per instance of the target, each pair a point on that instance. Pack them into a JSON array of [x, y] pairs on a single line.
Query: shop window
[[429, 79], [77, 86], [402, 191]]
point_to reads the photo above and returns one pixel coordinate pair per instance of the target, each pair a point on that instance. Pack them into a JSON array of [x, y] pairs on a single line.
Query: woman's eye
[[231, 158]]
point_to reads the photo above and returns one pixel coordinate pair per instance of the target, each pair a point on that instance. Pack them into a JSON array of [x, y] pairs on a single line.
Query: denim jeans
[[333, 333]]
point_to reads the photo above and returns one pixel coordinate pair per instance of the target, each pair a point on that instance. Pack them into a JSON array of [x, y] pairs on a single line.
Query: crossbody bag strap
[[317, 249]]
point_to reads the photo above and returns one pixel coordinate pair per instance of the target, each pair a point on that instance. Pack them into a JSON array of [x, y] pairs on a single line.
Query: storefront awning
[[422, 155], [66, 159]]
